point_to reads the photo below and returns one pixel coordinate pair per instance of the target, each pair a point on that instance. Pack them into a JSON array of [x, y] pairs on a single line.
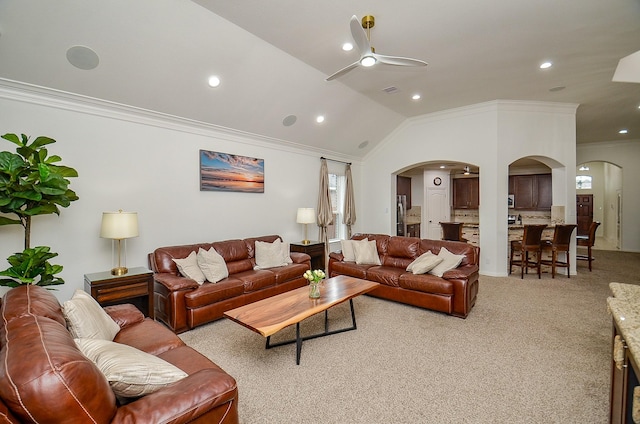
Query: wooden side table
[[135, 287], [315, 249]]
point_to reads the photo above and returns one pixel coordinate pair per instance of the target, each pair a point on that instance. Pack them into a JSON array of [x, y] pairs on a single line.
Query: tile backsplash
[[528, 217]]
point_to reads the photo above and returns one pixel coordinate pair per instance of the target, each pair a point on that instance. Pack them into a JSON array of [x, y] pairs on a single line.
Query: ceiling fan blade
[[399, 61], [343, 71], [359, 36]]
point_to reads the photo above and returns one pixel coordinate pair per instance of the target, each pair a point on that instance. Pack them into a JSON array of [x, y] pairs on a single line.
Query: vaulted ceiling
[[272, 58]]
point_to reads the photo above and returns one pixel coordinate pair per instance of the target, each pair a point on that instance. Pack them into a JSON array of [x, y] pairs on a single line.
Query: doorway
[[584, 213]]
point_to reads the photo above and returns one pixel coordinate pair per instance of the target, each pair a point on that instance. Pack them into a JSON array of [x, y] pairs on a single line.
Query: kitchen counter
[[625, 310]]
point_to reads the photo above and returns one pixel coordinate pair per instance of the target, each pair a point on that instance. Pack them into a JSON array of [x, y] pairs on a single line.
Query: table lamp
[[306, 216], [119, 226]]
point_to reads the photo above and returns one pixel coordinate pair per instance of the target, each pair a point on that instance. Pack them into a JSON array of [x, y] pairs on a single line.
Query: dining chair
[[530, 243], [588, 241], [452, 231], [560, 243]]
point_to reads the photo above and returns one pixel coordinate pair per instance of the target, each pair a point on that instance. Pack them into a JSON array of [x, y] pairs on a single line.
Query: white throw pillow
[[271, 255], [189, 268], [86, 318], [212, 265], [366, 253], [130, 371], [449, 261], [424, 263], [347, 249]]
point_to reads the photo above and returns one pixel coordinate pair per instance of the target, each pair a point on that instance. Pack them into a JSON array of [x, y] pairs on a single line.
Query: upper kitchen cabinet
[[466, 193], [403, 187], [531, 192]]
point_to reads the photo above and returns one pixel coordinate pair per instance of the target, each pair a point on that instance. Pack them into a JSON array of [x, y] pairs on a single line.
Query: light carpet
[[531, 351]]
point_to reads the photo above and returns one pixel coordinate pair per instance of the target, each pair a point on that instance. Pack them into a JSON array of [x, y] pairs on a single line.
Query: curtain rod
[[335, 160]]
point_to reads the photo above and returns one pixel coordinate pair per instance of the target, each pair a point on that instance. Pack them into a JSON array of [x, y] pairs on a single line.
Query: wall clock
[[437, 181]]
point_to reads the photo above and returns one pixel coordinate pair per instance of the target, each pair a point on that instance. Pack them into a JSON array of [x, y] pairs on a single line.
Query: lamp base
[[306, 241], [120, 270]]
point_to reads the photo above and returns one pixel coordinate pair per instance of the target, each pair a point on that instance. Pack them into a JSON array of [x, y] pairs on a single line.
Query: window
[[337, 184], [583, 182]]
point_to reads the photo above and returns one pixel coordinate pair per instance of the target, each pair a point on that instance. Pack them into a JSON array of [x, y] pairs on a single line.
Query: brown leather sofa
[[45, 378], [455, 293], [182, 304]]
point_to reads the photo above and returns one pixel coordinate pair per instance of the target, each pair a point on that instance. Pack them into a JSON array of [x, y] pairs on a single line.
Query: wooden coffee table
[[270, 315]]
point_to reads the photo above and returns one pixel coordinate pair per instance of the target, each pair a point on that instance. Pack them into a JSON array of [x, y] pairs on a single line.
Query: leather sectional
[[45, 378], [454, 294], [182, 304]]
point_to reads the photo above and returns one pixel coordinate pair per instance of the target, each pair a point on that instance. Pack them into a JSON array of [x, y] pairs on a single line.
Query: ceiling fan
[[467, 171], [368, 56]]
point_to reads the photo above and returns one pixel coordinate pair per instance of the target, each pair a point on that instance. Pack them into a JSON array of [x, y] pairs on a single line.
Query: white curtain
[[349, 217], [325, 211]]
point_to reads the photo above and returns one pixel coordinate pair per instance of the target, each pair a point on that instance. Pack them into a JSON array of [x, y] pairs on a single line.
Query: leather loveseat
[[454, 293], [45, 378], [182, 304]]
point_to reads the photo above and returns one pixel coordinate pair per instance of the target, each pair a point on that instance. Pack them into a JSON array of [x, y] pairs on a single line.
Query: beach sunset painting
[[226, 172]]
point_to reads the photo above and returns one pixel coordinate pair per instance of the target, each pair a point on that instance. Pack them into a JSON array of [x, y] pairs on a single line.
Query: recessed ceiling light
[[289, 120], [347, 47], [320, 119], [442, 166], [545, 65], [623, 131], [363, 144], [583, 168], [416, 96], [214, 81]]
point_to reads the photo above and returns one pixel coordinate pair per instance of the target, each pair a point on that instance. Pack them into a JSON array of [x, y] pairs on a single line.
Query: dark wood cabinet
[[413, 230], [135, 287], [531, 192], [466, 193], [315, 249], [403, 187]]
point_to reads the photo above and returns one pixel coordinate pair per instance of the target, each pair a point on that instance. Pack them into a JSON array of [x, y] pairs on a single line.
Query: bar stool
[[588, 242], [530, 243], [560, 243], [452, 231]]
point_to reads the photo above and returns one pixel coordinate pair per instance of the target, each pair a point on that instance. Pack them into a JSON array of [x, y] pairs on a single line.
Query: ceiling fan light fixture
[[368, 61]]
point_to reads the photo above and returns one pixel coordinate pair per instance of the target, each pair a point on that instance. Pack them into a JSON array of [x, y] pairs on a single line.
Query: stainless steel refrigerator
[[401, 215]]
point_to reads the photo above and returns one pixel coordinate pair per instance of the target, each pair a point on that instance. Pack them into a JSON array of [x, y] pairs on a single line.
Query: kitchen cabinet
[[531, 192], [413, 230], [466, 193], [403, 187], [623, 381]]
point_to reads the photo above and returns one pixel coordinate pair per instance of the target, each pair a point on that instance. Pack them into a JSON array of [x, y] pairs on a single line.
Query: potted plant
[[32, 183]]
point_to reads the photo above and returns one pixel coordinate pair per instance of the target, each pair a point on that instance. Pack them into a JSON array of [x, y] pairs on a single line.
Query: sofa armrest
[[175, 282], [460, 273], [338, 256], [124, 315], [299, 257], [183, 401]]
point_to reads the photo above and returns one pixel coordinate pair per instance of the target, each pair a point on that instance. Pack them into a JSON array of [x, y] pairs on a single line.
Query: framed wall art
[[227, 172]]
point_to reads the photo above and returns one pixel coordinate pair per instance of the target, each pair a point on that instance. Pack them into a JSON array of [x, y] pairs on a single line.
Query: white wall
[[149, 163], [627, 156], [490, 135]]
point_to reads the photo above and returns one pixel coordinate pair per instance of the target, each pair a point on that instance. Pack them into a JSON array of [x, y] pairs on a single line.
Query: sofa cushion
[[30, 300], [366, 253], [86, 318], [426, 283], [130, 372], [212, 265], [271, 255], [347, 249], [287, 273], [45, 378], [449, 261], [256, 279], [137, 336], [424, 263], [188, 267], [209, 293], [351, 269], [386, 275]]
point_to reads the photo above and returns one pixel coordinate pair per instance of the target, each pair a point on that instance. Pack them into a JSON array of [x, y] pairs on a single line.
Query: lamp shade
[[119, 225], [306, 216]]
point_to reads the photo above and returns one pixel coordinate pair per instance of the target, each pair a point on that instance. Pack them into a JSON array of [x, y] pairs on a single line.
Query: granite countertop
[[625, 310]]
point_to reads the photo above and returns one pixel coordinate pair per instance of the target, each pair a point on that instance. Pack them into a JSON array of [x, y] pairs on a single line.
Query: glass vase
[[314, 289]]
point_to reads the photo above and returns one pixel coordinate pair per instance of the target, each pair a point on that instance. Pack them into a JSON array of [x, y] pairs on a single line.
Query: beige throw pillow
[[130, 372], [449, 261], [366, 253], [86, 318], [424, 263], [347, 249], [212, 265], [189, 268], [271, 255]]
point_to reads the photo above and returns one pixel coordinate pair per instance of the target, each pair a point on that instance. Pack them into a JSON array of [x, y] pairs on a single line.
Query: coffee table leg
[[298, 343]]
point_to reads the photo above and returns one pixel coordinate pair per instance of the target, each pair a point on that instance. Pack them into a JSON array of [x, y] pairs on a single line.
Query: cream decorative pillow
[[189, 268], [449, 261], [130, 372], [86, 318], [270, 255], [212, 265], [366, 253], [347, 249], [424, 263]]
